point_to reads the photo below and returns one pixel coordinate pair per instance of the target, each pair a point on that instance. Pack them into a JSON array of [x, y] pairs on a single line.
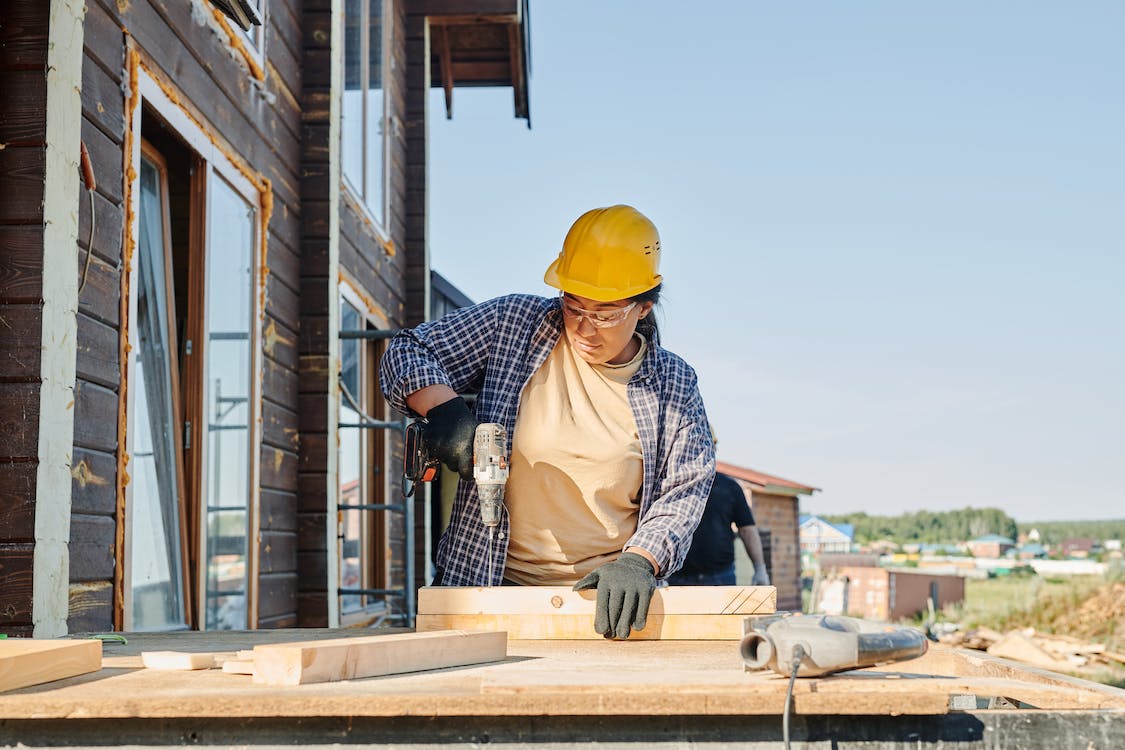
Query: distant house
[[1031, 551], [882, 594], [991, 545], [775, 504], [1079, 548], [819, 536]]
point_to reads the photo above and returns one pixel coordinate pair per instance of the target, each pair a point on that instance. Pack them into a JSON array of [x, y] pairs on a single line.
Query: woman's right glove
[[625, 589], [448, 434]]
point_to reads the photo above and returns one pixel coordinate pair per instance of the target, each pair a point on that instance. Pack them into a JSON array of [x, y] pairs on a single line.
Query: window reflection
[[364, 132], [154, 554], [226, 405], [351, 462]]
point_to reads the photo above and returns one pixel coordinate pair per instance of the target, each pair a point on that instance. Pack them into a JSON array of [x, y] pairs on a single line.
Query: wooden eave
[[480, 43]]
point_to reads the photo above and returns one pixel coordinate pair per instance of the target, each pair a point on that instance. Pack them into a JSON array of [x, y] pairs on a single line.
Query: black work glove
[[625, 589], [448, 434]]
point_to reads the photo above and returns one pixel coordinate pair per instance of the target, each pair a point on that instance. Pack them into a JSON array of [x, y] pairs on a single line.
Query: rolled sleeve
[[452, 351], [666, 528]]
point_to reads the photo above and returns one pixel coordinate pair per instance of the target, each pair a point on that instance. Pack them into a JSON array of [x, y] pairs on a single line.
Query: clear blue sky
[[894, 233]]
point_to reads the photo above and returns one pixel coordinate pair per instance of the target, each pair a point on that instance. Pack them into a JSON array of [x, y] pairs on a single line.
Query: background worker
[[611, 455], [710, 561]]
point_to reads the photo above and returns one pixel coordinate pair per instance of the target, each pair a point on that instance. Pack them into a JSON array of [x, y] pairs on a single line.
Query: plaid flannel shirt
[[494, 348]]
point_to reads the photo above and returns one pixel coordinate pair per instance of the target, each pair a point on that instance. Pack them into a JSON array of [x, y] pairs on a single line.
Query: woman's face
[[612, 341]]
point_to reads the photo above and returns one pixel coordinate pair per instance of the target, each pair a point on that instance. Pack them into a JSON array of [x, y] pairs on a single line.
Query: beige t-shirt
[[574, 485]]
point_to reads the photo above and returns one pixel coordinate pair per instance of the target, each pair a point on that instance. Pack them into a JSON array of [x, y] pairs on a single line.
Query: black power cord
[[798, 657]]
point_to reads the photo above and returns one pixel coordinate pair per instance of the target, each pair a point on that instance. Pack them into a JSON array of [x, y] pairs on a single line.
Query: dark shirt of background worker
[[710, 561]]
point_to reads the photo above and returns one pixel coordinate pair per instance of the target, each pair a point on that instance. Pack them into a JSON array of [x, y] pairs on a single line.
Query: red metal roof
[[763, 480]]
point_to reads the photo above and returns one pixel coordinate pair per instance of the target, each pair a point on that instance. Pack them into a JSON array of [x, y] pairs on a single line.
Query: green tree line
[[945, 527]]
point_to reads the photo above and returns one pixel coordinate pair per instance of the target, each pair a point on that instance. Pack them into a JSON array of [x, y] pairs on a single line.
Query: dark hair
[[647, 325]]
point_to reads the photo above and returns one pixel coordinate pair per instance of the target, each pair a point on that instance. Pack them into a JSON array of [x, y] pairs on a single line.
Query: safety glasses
[[597, 318]]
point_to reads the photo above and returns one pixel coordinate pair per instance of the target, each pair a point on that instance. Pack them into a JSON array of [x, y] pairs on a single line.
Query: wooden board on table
[[25, 662], [557, 612], [373, 656]]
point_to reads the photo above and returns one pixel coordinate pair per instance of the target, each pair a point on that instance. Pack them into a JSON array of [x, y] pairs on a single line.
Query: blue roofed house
[[818, 535]]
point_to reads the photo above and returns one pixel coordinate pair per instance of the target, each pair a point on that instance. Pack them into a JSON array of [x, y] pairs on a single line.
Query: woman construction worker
[[611, 457]]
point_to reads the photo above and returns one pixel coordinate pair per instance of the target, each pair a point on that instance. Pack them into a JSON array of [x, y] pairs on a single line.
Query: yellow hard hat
[[609, 254]]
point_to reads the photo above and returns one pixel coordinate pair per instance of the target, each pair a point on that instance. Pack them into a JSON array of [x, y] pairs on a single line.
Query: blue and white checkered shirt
[[494, 348]]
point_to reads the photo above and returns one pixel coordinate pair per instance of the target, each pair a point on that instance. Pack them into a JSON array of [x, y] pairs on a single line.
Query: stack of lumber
[[696, 613]]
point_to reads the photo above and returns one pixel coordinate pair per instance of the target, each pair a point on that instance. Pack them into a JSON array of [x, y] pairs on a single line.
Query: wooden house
[[205, 234], [775, 503]]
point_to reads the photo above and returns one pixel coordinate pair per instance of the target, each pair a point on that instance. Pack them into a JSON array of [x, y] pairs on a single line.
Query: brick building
[[775, 502]]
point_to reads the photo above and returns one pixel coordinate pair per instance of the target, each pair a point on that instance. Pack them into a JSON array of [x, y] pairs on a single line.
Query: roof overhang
[[478, 43]]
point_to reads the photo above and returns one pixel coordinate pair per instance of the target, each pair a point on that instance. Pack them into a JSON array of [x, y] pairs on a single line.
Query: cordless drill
[[490, 467]]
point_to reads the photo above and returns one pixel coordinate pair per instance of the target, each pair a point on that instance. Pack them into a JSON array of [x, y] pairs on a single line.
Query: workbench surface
[[544, 678]]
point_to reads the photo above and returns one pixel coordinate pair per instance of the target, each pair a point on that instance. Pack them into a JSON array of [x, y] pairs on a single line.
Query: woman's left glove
[[448, 434], [625, 589]]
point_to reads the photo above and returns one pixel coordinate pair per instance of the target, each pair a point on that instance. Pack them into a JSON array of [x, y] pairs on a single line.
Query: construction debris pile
[[1084, 638], [1061, 653]]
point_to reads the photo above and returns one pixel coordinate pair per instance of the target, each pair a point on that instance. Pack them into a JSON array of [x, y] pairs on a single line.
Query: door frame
[[149, 88]]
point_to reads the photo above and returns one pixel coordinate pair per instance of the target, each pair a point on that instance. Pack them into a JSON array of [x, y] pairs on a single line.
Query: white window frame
[[354, 195], [187, 128]]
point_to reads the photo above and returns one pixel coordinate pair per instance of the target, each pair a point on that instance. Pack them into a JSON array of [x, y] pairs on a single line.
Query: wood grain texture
[[561, 600], [574, 627], [372, 656], [557, 613], [33, 662]]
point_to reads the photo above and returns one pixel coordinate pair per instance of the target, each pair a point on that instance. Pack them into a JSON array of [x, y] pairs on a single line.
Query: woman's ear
[[646, 308]]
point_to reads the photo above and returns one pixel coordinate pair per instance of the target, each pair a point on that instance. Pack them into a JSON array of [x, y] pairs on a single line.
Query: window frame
[[375, 448], [358, 196], [152, 94]]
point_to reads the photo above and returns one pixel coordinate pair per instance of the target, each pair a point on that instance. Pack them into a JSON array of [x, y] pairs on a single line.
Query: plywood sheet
[[698, 613], [25, 662], [373, 656]]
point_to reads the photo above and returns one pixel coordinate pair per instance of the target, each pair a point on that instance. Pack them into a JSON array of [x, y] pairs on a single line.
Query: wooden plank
[[21, 263], [17, 510], [23, 35], [24, 93], [93, 486], [177, 660], [95, 417], [90, 609], [102, 100], [581, 627], [20, 341], [556, 612], [91, 547], [373, 656], [33, 662], [19, 419], [96, 359], [561, 600], [21, 183]]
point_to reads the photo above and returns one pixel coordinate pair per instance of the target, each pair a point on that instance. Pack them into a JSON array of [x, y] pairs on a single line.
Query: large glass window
[[155, 550], [365, 128], [226, 401]]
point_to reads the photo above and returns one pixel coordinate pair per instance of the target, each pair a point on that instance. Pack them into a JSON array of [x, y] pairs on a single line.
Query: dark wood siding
[[312, 546], [94, 517], [23, 131]]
